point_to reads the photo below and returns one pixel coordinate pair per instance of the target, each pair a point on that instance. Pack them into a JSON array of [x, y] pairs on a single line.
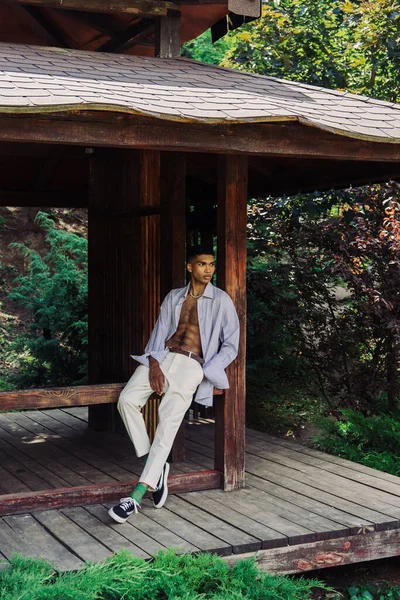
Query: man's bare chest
[[189, 313]]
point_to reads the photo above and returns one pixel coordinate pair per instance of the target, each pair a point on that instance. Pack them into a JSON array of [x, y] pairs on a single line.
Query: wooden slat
[[330, 553], [240, 540], [168, 36], [44, 544], [72, 536], [67, 396], [132, 7], [230, 410], [145, 532], [123, 131], [96, 493], [213, 503], [11, 542], [199, 537], [99, 530]]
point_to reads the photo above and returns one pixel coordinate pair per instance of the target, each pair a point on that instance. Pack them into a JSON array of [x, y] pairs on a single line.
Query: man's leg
[[183, 375], [132, 399]]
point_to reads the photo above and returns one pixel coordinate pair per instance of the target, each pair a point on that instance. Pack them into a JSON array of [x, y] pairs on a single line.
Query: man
[[195, 338]]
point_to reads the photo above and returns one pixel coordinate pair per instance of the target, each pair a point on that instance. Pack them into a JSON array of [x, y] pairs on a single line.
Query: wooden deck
[[301, 509]]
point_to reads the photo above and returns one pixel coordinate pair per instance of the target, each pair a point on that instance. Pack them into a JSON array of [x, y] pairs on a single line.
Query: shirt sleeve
[[230, 333], [159, 334], [214, 369]]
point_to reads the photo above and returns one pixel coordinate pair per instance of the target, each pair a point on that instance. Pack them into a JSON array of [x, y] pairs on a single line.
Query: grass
[[168, 577]]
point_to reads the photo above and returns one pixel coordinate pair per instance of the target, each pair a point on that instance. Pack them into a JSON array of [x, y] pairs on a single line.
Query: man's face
[[202, 268]]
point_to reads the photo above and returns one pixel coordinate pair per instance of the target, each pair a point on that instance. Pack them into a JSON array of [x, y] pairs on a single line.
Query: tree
[[345, 44], [54, 291]]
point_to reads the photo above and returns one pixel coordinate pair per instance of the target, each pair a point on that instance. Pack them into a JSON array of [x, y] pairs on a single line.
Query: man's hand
[[156, 376]]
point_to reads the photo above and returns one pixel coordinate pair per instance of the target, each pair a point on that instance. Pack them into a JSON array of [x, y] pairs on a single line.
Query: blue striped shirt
[[219, 335]]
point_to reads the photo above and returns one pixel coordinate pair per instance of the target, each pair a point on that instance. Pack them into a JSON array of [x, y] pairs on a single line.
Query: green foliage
[[168, 577], [372, 440], [203, 50], [371, 592], [344, 44], [54, 291]]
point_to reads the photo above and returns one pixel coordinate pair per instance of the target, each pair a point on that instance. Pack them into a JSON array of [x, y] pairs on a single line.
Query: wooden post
[[168, 35], [231, 258], [173, 235], [114, 264]]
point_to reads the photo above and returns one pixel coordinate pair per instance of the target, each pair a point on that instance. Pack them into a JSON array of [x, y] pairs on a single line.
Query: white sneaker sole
[[165, 494], [116, 517]]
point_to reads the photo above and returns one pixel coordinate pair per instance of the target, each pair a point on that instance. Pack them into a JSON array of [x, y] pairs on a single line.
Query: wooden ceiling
[[123, 26], [58, 176]]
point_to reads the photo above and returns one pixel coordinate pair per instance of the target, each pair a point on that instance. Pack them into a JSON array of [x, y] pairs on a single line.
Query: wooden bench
[[45, 398]]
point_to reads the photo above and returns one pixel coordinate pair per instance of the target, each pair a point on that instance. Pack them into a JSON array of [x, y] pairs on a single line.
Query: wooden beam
[[47, 24], [43, 199], [141, 8], [22, 13], [325, 554], [98, 493], [168, 36], [80, 395], [99, 21], [91, 128], [231, 254], [134, 34]]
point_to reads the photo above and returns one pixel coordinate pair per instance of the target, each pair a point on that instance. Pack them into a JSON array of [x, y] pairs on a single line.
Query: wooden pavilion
[[162, 151]]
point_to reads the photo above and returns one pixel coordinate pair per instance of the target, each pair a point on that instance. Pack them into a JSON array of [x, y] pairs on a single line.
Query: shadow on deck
[[301, 509]]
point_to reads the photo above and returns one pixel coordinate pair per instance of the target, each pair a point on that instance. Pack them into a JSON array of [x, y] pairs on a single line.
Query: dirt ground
[[376, 572]]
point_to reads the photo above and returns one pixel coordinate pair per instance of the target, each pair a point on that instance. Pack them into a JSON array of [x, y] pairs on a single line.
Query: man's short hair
[[197, 250]]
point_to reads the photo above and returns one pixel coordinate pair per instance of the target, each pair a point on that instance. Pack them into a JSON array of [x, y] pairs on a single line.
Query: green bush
[[168, 577], [371, 440], [53, 351], [371, 592]]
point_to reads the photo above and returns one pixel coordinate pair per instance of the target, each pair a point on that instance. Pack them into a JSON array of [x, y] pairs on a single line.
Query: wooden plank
[[11, 542], [168, 35], [197, 536], [238, 539], [10, 483], [83, 448], [68, 396], [72, 536], [323, 527], [337, 497], [97, 129], [29, 478], [213, 502], [346, 472], [21, 439], [96, 493], [230, 409], [100, 530], [45, 545], [67, 453], [336, 460], [331, 482], [329, 553], [14, 451], [132, 7], [145, 532], [319, 508]]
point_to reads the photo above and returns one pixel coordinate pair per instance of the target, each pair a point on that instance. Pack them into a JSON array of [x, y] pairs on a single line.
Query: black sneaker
[[120, 512], [161, 493]]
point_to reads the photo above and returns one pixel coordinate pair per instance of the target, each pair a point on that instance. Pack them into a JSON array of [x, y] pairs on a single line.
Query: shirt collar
[[208, 291]]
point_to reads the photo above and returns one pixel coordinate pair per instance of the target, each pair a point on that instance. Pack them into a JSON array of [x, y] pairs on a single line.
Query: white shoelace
[[126, 504]]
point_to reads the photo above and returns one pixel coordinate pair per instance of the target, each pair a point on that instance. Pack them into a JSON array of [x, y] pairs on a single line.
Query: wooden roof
[[84, 24], [41, 80]]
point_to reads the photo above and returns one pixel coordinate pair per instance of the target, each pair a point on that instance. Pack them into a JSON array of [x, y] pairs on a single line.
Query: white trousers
[[182, 376]]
